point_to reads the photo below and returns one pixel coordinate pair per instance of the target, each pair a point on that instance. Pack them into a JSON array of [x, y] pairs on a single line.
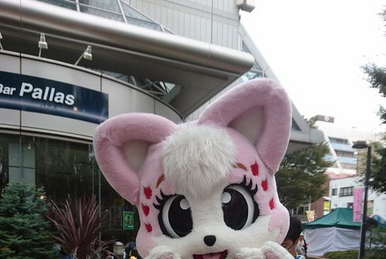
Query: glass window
[[338, 140], [64, 168], [334, 192], [344, 153], [101, 13], [133, 13], [301, 211], [69, 4], [110, 5], [294, 125], [144, 24], [9, 158], [346, 191]]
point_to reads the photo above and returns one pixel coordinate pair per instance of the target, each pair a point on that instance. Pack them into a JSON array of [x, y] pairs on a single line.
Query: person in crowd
[[301, 247], [109, 255], [293, 237], [131, 250]]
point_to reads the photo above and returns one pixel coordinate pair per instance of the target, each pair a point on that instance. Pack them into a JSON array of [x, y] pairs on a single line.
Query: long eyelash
[[161, 201], [249, 186]]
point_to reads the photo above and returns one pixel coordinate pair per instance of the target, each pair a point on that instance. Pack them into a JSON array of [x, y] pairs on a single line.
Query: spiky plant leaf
[[79, 223]]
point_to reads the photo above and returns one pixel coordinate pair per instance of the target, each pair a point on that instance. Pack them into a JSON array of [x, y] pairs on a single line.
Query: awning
[[381, 219], [339, 218]]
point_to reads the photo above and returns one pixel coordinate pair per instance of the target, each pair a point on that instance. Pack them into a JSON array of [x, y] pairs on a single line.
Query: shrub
[[24, 230], [349, 254], [378, 244], [79, 224]]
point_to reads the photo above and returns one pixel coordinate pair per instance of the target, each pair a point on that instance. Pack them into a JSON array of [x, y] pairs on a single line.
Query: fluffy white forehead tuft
[[198, 158]]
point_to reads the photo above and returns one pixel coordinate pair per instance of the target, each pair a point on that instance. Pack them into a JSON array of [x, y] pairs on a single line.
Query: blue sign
[[29, 93]]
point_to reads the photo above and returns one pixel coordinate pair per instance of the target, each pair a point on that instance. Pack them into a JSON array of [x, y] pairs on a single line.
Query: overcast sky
[[316, 48]]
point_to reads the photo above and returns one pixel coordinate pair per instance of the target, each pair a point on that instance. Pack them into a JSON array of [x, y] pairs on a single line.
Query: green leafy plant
[[24, 229], [301, 176], [349, 254], [79, 223], [378, 244]]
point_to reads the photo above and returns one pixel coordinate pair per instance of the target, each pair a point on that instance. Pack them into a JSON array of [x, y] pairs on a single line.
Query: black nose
[[210, 240]]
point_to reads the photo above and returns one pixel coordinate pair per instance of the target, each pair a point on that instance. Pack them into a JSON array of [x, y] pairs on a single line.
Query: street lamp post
[[361, 145]]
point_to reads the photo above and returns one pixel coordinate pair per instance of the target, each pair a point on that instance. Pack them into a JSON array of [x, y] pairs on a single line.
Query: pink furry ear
[[121, 144], [260, 110]]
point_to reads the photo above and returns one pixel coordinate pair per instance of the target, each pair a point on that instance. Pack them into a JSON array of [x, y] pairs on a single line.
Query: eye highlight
[[239, 208], [175, 216]]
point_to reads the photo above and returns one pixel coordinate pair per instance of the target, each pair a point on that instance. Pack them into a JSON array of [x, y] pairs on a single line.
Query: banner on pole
[[310, 215], [357, 206]]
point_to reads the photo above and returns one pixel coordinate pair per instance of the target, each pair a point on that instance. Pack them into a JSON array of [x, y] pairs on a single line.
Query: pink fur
[[108, 143], [253, 120], [277, 111]]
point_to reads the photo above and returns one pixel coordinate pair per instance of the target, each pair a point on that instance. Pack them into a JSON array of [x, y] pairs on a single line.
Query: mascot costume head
[[204, 189]]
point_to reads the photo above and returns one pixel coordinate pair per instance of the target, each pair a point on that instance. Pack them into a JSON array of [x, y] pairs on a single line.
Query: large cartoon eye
[[175, 217], [239, 208]]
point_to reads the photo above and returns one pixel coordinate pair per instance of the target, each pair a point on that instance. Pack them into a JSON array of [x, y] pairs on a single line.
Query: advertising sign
[[29, 93], [326, 206], [357, 206], [310, 215]]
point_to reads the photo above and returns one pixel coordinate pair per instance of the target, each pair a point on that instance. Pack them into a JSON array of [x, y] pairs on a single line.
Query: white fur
[[260, 253], [196, 158], [208, 220], [277, 250], [162, 252], [250, 253]]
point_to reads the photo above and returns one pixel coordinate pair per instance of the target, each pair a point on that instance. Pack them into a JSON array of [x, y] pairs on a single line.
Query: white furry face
[[207, 204], [216, 226], [212, 238], [196, 159]]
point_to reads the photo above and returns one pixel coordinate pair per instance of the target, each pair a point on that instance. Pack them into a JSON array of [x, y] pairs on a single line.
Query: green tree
[[377, 178], [23, 226], [376, 76], [301, 176], [311, 122]]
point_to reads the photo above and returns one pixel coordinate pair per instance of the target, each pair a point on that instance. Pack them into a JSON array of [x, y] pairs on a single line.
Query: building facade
[[67, 65], [343, 175], [341, 196]]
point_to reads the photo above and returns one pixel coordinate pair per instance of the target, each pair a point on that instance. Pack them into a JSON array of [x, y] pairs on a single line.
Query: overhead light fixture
[[1, 37], [86, 55], [42, 44]]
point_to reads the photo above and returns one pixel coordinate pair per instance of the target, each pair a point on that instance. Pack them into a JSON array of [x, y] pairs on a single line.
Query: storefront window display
[[65, 169]]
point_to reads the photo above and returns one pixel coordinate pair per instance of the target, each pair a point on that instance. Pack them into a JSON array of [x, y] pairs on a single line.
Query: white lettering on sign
[[6, 90], [46, 94]]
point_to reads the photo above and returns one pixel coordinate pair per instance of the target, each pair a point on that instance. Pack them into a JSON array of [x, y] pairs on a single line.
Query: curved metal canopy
[[200, 69]]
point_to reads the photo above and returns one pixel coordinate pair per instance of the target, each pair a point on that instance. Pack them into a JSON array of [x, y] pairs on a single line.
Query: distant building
[[342, 175], [341, 195]]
